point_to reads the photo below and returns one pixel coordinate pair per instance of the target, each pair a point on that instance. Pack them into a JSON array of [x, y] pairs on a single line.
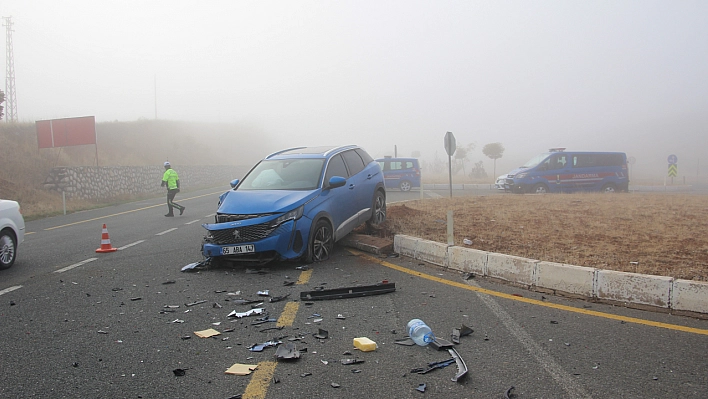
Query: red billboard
[[66, 132]]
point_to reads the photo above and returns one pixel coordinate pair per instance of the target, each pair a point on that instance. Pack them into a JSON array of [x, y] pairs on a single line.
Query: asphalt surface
[[78, 324]]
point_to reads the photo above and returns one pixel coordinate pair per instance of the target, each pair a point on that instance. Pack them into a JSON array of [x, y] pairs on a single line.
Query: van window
[[591, 160]]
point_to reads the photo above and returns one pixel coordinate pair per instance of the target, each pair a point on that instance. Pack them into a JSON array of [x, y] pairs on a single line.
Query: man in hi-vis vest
[[171, 180]]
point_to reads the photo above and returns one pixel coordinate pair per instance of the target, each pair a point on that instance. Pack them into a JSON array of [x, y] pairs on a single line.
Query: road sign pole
[[449, 167]]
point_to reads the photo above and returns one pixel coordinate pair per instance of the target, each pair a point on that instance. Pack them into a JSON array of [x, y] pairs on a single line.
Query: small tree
[[494, 151], [461, 155]]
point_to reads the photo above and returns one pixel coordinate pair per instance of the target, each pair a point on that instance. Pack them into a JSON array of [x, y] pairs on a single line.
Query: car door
[[358, 185], [340, 201]]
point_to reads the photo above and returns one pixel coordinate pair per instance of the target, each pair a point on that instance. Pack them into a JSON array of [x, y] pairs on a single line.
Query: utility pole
[[10, 97]]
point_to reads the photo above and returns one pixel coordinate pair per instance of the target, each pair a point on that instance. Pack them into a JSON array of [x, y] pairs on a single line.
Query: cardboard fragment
[[241, 369], [206, 333]]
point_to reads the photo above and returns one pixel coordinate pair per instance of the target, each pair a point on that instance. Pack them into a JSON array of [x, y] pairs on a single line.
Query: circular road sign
[[673, 159]]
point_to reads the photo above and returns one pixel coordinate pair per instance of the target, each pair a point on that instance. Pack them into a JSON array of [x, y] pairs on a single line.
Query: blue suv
[[295, 204]]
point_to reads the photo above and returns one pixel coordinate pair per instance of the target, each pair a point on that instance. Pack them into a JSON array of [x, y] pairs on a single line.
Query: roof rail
[[556, 149], [282, 151], [340, 148]]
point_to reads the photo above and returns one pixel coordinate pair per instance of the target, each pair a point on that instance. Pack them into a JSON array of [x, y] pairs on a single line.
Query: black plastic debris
[[179, 372], [287, 352], [508, 394], [349, 292], [305, 267], [433, 366], [271, 328], [460, 332], [554, 322], [195, 303], [137, 298], [75, 364], [351, 361], [257, 271], [421, 388], [441, 344], [263, 320], [245, 301], [305, 374], [287, 283], [393, 255], [468, 276], [186, 337], [340, 317], [278, 298], [234, 397], [12, 303], [356, 371], [321, 334], [169, 282], [461, 365]]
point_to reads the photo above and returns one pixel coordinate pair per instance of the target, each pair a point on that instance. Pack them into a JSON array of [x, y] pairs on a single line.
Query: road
[[79, 324]]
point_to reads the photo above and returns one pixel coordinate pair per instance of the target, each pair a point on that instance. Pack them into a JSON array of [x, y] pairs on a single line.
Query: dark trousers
[[170, 201]]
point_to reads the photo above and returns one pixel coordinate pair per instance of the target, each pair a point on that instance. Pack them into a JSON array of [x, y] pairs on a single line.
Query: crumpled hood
[[517, 171], [250, 202]]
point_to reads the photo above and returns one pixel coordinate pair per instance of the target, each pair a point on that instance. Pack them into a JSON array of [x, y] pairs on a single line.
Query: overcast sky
[[613, 75]]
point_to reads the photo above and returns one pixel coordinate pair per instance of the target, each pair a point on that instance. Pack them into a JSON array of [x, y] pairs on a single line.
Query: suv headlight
[[521, 175], [295, 214]]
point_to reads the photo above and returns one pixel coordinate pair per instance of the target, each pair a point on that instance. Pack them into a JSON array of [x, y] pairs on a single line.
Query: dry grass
[[659, 234]]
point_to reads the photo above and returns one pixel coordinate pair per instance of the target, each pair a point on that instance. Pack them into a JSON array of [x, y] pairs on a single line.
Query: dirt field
[[660, 234]]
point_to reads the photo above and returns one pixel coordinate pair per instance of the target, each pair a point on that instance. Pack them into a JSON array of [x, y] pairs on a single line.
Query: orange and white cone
[[105, 241]]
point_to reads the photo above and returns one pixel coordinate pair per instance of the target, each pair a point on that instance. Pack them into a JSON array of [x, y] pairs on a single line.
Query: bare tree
[[2, 107], [494, 151]]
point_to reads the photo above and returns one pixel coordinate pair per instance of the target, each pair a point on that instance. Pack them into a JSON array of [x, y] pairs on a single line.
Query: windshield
[[284, 174], [535, 160]]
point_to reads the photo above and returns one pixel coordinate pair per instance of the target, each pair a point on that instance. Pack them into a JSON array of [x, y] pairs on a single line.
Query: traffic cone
[[105, 242]]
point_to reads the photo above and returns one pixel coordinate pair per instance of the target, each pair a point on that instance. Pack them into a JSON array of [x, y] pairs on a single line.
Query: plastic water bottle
[[420, 333]]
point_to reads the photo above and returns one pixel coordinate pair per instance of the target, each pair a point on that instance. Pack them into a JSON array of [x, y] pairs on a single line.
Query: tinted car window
[[335, 168], [365, 156], [354, 162]]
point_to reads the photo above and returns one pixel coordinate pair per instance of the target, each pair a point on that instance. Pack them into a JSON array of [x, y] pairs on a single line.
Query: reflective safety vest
[[171, 178]]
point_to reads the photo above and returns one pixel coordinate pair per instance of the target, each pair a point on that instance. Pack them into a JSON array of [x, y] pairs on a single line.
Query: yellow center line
[[258, 386], [532, 301], [123, 213]]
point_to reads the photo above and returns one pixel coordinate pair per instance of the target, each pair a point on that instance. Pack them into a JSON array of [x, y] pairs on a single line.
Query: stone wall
[[105, 182]]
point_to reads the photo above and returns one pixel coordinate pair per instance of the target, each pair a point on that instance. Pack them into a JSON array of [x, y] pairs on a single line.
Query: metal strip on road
[[588, 312], [10, 289], [130, 245], [83, 262], [166, 231]]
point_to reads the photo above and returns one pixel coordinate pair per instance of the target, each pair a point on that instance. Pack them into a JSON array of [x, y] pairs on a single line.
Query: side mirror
[[336, 181], [234, 183]]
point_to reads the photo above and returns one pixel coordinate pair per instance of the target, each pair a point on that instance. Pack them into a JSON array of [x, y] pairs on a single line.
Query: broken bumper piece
[[349, 292]]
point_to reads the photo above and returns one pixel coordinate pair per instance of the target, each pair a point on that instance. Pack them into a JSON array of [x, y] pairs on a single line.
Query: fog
[[587, 75]]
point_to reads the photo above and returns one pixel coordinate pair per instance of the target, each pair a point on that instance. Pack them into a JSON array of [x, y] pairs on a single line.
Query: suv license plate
[[239, 249]]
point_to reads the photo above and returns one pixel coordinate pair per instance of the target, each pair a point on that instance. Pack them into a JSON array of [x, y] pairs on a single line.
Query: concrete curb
[[641, 290]]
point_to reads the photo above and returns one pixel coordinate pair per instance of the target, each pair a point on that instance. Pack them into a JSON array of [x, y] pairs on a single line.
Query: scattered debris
[[356, 371], [460, 332], [263, 320], [169, 282], [349, 292], [305, 374], [257, 271], [263, 293], [186, 337], [196, 265], [179, 372], [246, 301], [241, 369], [461, 366], [433, 366], [278, 298], [468, 276], [321, 334], [206, 333], [394, 255], [421, 388], [365, 344], [195, 303], [340, 317], [251, 312], [467, 241], [334, 385], [351, 361], [137, 298], [441, 344], [177, 321], [102, 332], [554, 322], [287, 283], [216, 305], [508, 394], [404, 341], [272, 328], [260, 347], [305, 267], [287, 352]]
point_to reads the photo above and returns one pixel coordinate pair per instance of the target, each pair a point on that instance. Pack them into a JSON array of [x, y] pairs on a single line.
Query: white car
[[500, 184], [12, 232]]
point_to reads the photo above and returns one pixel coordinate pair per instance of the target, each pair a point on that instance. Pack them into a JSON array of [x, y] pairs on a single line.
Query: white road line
[[193, 221], [166, 231], [564, 380], [83, 262], [10, 289], [210, 215], [130, 245]]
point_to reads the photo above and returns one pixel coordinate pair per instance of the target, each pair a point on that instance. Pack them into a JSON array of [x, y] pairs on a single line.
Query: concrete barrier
[[405, 245], [690, 295], [633, 288], [570, 279], [432, 251], [512, 268], [467, 260]]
